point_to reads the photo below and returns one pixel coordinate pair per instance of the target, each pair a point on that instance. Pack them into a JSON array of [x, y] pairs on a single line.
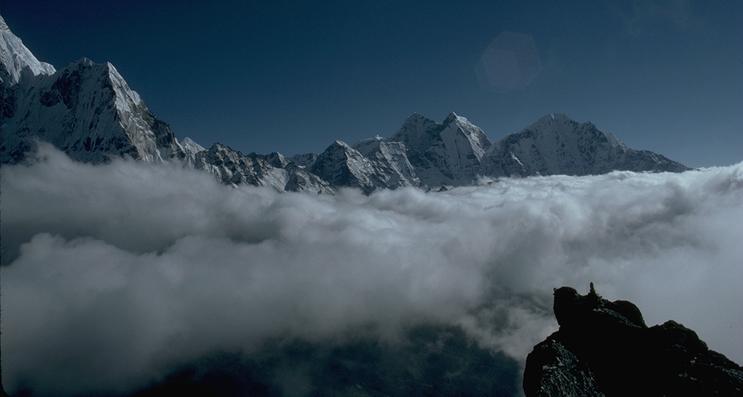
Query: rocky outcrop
[[604, 348]]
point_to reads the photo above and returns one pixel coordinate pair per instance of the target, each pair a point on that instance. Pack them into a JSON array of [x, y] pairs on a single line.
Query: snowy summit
[[89, 111]]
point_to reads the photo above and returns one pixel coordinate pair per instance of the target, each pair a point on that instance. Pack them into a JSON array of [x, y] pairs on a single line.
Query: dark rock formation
[[604, 348]]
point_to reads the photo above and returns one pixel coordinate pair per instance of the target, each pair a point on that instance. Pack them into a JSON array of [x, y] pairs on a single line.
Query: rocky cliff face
[[604, 348]]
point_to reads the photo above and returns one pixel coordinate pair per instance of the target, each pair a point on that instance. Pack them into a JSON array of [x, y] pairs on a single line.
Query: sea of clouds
[[114, 272]]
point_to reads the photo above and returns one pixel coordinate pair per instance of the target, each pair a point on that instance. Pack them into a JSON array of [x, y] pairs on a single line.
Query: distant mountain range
[[88, 111]]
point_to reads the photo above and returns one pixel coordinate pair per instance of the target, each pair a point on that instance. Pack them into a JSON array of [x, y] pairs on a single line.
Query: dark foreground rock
[[604, 348]]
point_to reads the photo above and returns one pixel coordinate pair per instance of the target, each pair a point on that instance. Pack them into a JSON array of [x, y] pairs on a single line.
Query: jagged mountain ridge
[[448, 153], [273, 170], [555, 144], [14, 57], [88, 111], [370, 165]]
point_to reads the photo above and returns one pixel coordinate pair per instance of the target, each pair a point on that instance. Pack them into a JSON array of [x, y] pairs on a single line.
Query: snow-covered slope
[[87, 110], [273, 170], [443, 154], [191, 147], [342, 165], [391, 159], [555, 144], [15, 57]]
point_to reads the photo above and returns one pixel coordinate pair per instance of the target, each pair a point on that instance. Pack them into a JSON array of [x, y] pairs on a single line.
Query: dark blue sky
[[293, 76]]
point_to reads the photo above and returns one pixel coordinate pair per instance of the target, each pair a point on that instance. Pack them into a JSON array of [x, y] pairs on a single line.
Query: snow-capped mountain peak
[[478, 139], [88, 110], [125, 96], [383, 165], [557, 144], [446, 153], [191, 146], [562, 126], [552, 120], [15, 57], [342, 165], [453, 117], [415, 128], [391, 159]]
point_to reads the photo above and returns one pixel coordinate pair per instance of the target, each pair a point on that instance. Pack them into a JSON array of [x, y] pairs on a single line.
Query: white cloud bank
[[117, 271]]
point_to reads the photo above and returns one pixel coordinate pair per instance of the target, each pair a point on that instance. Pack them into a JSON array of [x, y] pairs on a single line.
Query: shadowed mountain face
[[604, 348], [555, 144], [428, 361], [89, 111]]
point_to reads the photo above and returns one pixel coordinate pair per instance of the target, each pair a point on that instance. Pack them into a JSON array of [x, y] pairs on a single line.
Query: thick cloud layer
[[115, 272]]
